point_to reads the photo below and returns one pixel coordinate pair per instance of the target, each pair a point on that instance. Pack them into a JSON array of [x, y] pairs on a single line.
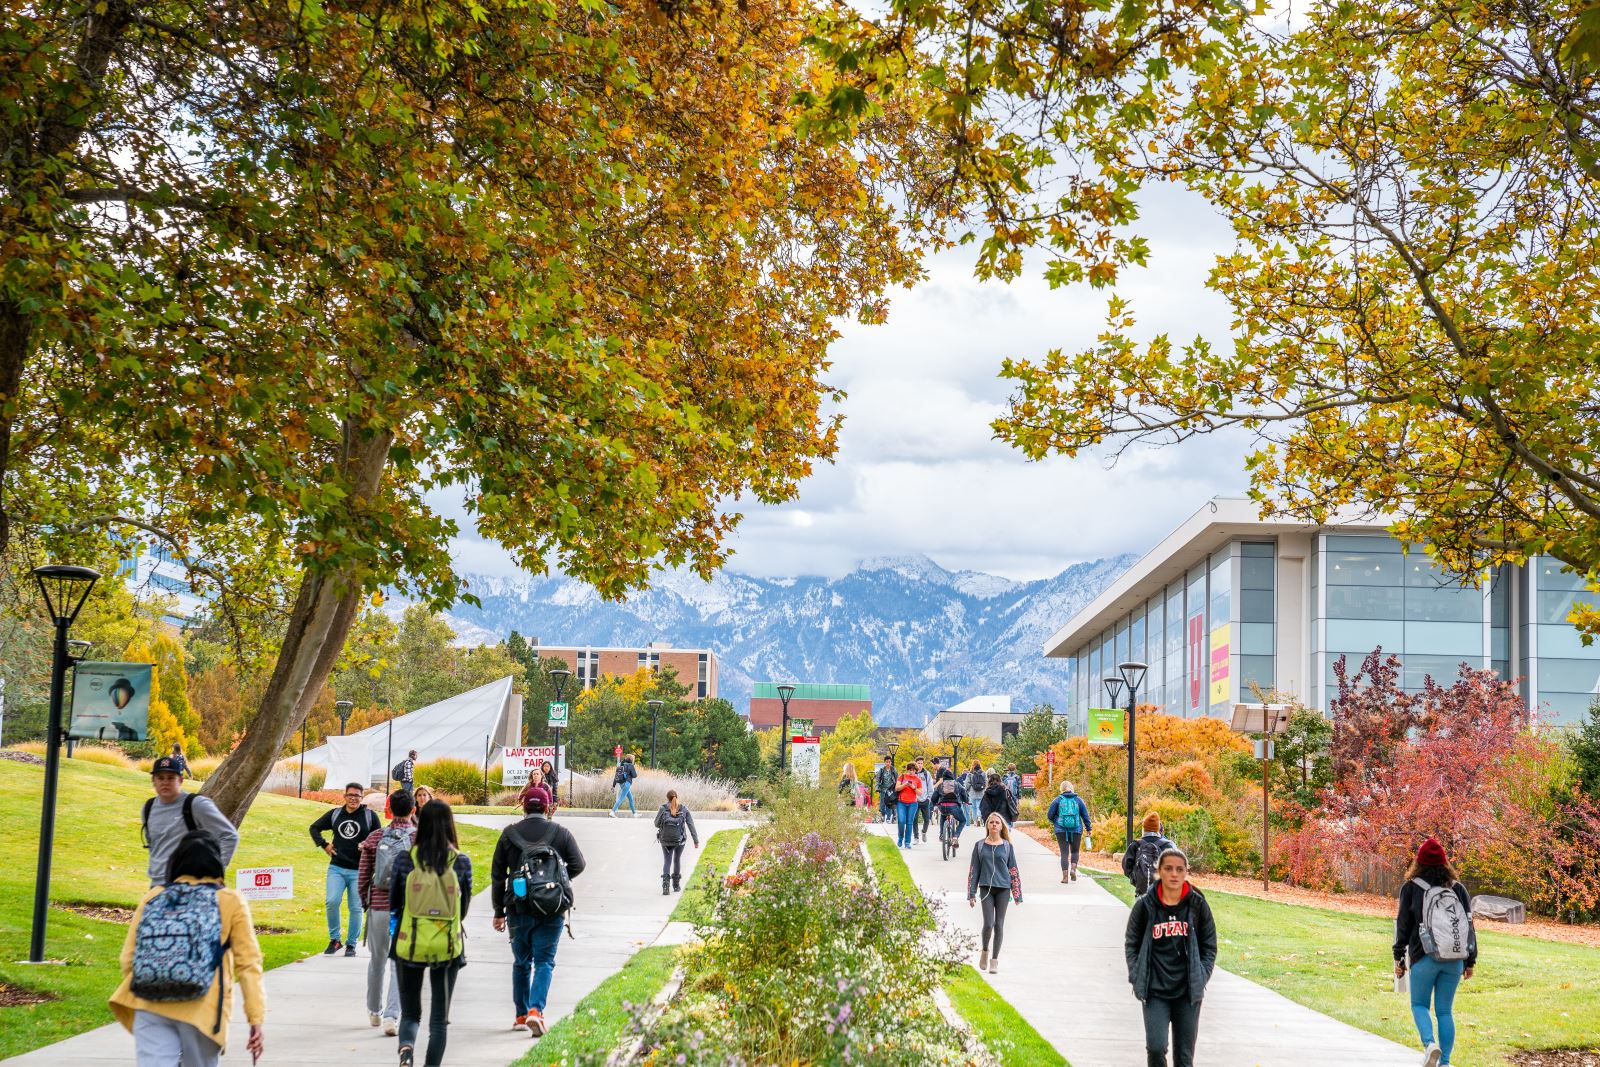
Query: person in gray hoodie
[[171, 813], [674, 826]]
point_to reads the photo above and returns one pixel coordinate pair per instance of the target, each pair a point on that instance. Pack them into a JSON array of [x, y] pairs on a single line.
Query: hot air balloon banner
[[111, 701]]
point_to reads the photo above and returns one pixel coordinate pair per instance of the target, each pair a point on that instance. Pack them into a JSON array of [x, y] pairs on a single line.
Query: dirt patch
[[1558, 1057], [21, 757], [1354, 903], [111, 913], [263, 928], [14, 996]]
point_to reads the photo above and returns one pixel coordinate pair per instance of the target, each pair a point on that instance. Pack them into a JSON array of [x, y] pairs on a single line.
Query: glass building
[[1230, 608]]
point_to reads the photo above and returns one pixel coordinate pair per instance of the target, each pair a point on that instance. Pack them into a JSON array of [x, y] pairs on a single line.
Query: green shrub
[[794, 809], [454, 776]]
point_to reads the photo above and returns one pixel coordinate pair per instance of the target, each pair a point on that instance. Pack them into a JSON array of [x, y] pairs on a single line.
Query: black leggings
[[925, 814], [994, 901], [671, 860], [1183, 1018], [1068, 843], [442, 982]]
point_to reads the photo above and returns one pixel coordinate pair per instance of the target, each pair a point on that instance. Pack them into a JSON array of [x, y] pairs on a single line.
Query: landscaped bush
[[650, 791], [285, 777], [455, 776], [103, 754]]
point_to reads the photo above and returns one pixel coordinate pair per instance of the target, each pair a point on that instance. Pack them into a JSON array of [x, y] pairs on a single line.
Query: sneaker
[[333, 946], [391, 1027], [994, 964], [1430, 1058], [612, 813], [536, 1025], [373, 1019], [1074, 874], [983, 960], [406, 1056], [521, 1023], [349, 950]]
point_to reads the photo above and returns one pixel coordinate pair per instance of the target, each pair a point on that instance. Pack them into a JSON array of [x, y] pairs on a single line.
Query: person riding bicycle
[[949, 801]]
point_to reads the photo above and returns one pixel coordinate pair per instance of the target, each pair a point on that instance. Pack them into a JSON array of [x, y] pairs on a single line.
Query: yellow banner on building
[[1219, 664]]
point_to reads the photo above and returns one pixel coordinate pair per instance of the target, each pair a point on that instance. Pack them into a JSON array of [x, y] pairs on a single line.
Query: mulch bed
[[1558, 1057], [263, 928], [21, 757], [14, 996], [111, 913]]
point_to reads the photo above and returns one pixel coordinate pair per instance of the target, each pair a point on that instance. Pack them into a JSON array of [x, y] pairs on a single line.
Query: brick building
[[823, 703], [696, 667]]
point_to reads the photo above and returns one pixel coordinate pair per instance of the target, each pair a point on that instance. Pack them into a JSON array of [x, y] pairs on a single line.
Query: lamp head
[[655, 706], [1133, 673], [65, 588], [344, 708], [78, 650], [1114, 689], [786, 691]]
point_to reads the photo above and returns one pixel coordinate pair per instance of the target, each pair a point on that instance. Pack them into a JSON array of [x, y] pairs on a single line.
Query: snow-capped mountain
[[922, 637]]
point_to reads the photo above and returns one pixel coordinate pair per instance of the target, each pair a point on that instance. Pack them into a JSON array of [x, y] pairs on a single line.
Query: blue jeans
[[956, 813], [907, 818], [534, 939], [1436, 982], [625, 792], [342, 885]]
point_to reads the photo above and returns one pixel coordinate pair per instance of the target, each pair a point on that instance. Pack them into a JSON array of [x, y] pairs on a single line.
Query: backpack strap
[[144, 821], [188, 812]]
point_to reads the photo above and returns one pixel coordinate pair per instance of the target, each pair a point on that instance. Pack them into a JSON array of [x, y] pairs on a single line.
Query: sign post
[[1107, 726], [1267, 720], [265, 883], [558, 714], [111, 701], [517, 764]]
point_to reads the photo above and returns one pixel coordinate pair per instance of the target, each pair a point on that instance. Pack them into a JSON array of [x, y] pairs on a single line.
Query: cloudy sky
[[918, 470]]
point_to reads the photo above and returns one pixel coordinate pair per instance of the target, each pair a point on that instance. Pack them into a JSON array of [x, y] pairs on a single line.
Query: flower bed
[[806, 960]]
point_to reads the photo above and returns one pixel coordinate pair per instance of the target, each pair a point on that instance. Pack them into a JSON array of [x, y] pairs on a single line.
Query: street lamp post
[[560, 676], [785, 691], [655, 707], [77, 652], [1132, 676], [955, 752], [65, 588], [344, 708]]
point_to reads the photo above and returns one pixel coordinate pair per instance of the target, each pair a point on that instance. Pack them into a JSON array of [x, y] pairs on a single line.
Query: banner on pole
[[805, 758], [1107, 726], [265, 883], [1028, 780], [515, 763], [111, 701], [559, 711]]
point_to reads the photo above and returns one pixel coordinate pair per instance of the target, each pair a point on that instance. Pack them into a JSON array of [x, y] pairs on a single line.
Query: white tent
[[464, 727]]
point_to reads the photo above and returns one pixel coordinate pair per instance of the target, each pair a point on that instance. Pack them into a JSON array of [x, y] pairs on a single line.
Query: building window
[[1256, 640], [703, 676], [1007, 730]]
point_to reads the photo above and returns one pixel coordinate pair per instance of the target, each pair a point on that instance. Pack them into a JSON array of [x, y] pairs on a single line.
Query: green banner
[[558, 716], [111, 701], [1107, 726]]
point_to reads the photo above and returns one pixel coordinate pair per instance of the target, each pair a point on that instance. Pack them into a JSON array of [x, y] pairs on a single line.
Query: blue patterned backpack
[[178, 949]]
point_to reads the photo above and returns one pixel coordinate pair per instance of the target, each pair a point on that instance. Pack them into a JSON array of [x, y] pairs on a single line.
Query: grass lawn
[[1008, 1035], [1526, 993], [99, 860], [712, 862], [596, 1025], [890, 865]]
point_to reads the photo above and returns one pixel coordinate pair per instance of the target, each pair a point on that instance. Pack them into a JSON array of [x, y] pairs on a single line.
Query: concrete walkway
[[1063, 946], [316, 1007]]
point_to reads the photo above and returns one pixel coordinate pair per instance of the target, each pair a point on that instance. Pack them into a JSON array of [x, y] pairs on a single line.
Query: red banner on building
[[1197, 660]]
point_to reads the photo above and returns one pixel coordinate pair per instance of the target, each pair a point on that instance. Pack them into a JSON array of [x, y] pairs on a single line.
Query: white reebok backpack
[[1446, 926]]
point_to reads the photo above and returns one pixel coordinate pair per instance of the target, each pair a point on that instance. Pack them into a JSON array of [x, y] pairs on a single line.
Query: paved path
[[316, 1008], [1063, 946]]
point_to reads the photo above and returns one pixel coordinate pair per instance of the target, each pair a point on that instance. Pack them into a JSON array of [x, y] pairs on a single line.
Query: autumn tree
[[1040, 728]]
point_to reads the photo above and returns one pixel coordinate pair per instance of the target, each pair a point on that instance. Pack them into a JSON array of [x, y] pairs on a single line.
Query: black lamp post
[[344, 708], [77, 652], [65, 588], [560, 676], [655, 707], [1132, 676], [785, 692], [955, 752]]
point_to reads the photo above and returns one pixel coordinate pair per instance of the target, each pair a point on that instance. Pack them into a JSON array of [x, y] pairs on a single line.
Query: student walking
[[884, 779], [350, 825], [428, 902], [404, 772], [1433, 933], [949, 799], [997, 800], [1013, 783], [905, 789], [180, 761], [1139, 859], [379, 852], [622, 782], [537, 779], [530, 885], [1069, 816], [172, 813], [190, 934], [1171, 949], [975, 782], [992, 877], [674, 825], [924, 796], [848, 783]]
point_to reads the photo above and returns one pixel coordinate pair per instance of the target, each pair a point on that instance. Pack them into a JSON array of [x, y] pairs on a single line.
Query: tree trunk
[[324, 611]]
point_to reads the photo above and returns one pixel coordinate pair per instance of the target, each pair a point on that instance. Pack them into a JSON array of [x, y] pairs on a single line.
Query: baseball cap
[[165, 765]]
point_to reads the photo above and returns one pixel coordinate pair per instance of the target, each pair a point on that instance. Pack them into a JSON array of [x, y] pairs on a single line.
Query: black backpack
[[537, 883], [1144, 861], [189, 822], [398, 771]]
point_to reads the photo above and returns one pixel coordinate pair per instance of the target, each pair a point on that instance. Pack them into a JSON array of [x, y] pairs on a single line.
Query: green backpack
[[429, 930]]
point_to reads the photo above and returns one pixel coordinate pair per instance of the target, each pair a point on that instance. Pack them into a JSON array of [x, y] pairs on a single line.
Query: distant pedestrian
[[884, 780], [1141, 855], [538, 780], [997, 800], [674, 826], [976, 782], [848, 783], [405, 771], [924, 797], [1171, 948], [374, 878], [1013, 783], [180, 762], [949, 800], [622, 781], [530, 885], [420, 797], [429, 897], [552, 783], [1433, 933], [190, 934], [1069, 817], [171, 813], [906, 787], [993, 879], [350, 825]]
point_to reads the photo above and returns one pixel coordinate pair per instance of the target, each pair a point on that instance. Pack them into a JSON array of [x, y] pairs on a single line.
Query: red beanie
[[1152, 822], [1431, 854]]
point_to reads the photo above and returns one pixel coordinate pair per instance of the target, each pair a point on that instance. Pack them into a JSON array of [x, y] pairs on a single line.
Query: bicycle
[[949, 834]]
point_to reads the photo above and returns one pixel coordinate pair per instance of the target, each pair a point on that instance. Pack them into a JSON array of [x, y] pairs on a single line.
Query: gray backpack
[[395, 842], [1446, 928]]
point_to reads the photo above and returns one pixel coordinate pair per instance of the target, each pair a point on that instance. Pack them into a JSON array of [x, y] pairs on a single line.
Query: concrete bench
[[1499, 909]]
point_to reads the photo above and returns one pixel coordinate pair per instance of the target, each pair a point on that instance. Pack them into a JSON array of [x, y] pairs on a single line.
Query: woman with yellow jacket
[[190, 940]]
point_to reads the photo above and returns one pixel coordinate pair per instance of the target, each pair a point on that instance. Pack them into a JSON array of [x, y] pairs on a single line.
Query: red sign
[[263, 878], [1050, 757], [1028, 780], [617, 752], [1197, 659]]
